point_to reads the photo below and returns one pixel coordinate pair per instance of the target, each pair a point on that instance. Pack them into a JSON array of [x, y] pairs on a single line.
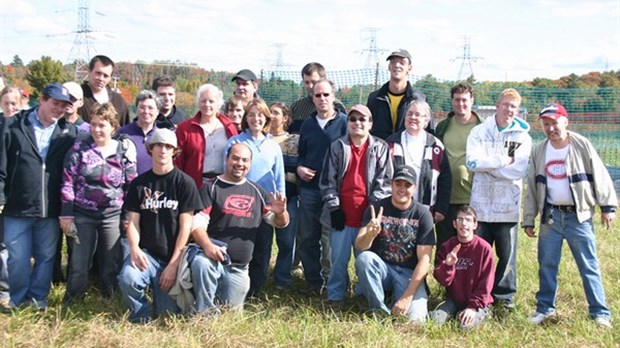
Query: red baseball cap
[[553, 111]]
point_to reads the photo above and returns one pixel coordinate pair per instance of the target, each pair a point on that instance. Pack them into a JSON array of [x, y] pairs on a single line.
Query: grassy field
[[291, 320]]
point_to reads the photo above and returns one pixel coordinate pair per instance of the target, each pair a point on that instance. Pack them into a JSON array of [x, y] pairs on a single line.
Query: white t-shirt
[[558, 189], [413, 148]]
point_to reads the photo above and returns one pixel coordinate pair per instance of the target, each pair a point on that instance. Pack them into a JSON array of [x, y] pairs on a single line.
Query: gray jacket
[[379, 171]]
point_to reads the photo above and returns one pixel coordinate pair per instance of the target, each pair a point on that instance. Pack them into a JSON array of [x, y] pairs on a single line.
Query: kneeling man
[[396, 247], [233, 209]]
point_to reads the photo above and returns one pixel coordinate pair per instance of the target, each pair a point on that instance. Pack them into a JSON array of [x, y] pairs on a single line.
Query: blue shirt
[[42, 134]]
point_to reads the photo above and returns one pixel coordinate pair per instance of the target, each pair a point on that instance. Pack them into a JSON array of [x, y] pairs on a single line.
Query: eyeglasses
[[469, 220], [319, 95], [73, 99], [355, 119]]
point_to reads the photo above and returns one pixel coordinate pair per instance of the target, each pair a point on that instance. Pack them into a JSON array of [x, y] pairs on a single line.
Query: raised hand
[[278, 203], [373, 228], [452, 256]]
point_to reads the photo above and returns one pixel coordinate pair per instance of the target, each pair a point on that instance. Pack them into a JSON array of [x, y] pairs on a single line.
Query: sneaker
[[538, 318], [603, 322], [336, 306], [311, 292]]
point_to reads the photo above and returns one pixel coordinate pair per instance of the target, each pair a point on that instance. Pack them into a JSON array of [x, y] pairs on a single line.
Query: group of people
[[188, 206]]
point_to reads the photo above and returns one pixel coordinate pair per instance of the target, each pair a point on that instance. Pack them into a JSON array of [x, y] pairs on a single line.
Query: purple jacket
[[93, 185]]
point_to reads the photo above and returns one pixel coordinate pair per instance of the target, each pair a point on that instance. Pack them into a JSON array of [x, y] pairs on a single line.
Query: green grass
[[292, 320]]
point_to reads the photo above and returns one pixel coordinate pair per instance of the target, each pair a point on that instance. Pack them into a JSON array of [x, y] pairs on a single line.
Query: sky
[[509, 40]]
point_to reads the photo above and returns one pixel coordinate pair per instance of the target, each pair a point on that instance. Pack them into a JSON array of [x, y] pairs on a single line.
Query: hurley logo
[[153, 202]]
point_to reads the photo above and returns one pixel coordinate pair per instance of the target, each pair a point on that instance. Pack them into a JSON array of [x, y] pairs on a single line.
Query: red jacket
[[191, 141]]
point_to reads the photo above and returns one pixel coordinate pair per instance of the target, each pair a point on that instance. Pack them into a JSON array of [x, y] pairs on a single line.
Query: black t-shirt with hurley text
[[160, 199], [236, 210], [401, 232]]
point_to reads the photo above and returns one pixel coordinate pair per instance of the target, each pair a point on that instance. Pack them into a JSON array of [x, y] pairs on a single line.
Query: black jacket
[[379, 105], [115, 99], [30, 187]]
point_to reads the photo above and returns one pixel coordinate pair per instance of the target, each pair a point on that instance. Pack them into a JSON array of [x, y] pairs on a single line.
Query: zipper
[[43, 205]]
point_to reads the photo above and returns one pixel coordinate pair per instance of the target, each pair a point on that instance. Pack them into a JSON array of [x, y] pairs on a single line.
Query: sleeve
[[181, 133], [383, 175], [4, 145], [444, 186], [130, 169], [443, 273], [518, 168], [292, 153], [301, 148], [123, 112], [530, 207], [426, 226], [190, 200], [328, 182], [480, 295], [477, 156], [278, 169], [70, 173], [132, 199], [603, 185]]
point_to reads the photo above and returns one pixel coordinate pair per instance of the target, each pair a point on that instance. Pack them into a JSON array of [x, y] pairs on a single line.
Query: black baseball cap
[[245, 74]]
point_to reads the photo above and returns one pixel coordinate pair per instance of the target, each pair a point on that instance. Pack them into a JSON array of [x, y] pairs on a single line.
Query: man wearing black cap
[[395, 246], [246, 85], [389, 103], [36, 142], [566, 180]]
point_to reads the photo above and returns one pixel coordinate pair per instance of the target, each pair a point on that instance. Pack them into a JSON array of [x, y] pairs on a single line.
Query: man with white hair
[[566, 181]]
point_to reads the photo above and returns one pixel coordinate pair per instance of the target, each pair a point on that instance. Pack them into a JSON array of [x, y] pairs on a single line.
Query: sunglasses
[[319, 95], [355, 119]]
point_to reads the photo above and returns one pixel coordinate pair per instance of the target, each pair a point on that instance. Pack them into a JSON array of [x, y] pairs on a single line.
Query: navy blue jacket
[[30, 187], [314, 143]]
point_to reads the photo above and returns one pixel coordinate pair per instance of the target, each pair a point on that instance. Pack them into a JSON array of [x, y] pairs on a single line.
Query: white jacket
[[497, 184]]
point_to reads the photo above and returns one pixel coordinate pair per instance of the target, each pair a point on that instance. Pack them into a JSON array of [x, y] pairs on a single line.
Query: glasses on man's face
[[469, 220], [73, 99], [355, 119], [319, 95]]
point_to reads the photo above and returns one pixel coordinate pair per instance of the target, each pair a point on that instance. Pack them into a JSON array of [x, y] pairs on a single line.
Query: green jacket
[[443, 126]]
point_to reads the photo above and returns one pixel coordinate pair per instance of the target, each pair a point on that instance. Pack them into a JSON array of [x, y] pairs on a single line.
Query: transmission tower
[[466, 59], [372, 52], [279, 64], [82, 49]]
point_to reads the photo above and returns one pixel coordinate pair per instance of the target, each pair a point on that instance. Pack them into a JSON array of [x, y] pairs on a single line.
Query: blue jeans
[[341, 243], [582, 243], [449, 309], [133, 284], [504, 236], [285, 239], [26, 238], [261, 256], [310, 229], [377, 276], [103, 236], [216, 283]]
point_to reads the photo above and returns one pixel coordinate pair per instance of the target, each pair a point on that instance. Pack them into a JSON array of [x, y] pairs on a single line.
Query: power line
[[466, 59], [372, 52]]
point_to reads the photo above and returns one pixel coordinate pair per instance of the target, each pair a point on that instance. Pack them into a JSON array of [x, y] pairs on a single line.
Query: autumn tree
[[43, 72]]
